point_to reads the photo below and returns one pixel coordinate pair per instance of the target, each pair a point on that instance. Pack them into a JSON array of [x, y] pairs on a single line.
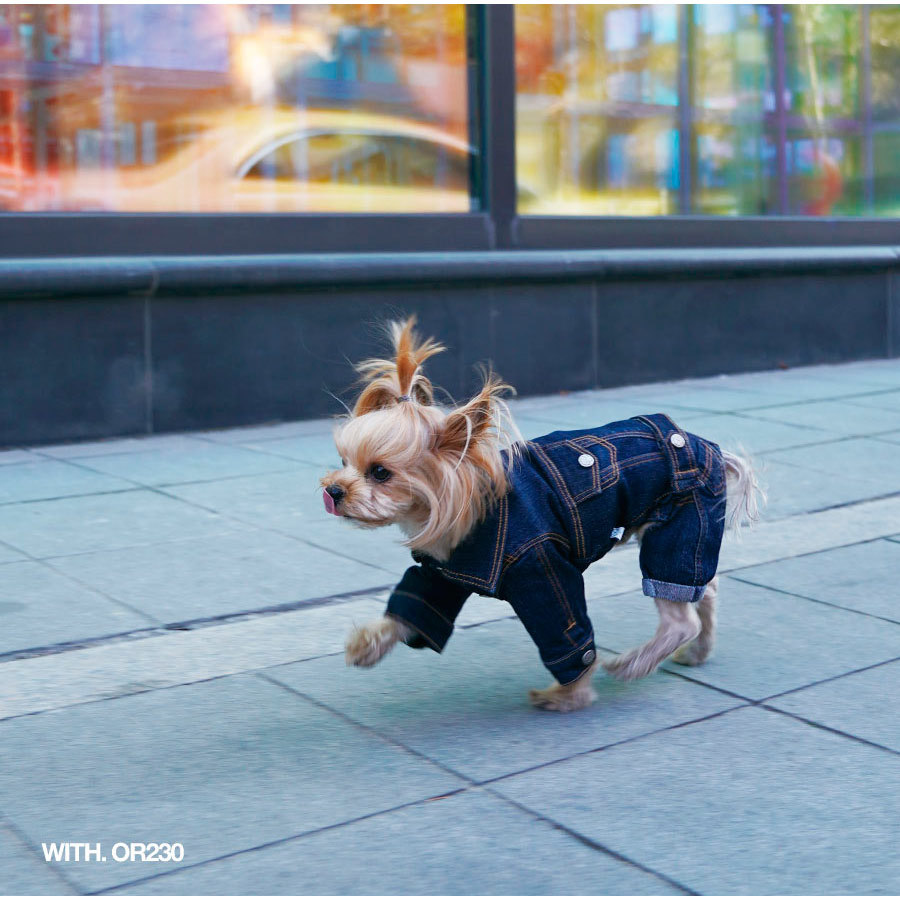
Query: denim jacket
[[572, 494]]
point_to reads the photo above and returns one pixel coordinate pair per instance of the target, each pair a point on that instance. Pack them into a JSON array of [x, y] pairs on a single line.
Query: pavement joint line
[[133, 693], [471, 783], [162, 628], [829, 438], [127, 490], [830, 730], [595, 845], [274, 843], [812, 684], [800, 516], [20, 836], [628, 740], [860, 612], [231, 517]]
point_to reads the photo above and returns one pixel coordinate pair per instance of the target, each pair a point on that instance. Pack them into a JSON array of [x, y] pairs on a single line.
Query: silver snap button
[[677, 440], [589, 657], [586, 460]]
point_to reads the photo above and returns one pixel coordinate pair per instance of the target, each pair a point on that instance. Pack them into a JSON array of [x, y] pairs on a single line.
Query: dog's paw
[[367, 644], [693, 654], [630, 666], [559, 698]]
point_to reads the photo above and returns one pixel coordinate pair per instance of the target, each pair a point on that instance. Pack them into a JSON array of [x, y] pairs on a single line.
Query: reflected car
[[287, 160]]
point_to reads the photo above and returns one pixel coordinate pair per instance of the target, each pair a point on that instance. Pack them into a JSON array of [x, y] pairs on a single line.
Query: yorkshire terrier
[[486, 511]]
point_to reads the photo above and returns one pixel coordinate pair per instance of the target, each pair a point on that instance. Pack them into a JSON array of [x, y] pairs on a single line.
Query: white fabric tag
[[617, 533]]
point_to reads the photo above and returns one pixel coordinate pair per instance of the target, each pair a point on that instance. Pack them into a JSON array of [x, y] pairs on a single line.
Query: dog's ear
[[465, 428], [400, 379]]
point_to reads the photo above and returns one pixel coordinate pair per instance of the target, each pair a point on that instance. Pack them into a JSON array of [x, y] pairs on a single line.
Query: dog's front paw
[[564, 698], [367, 644]]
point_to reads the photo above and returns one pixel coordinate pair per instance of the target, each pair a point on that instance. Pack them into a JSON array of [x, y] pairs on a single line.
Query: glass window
[[732, 109], [218, 108]]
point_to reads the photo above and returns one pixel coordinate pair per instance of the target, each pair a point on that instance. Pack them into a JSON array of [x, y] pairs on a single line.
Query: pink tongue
[[329, 503]]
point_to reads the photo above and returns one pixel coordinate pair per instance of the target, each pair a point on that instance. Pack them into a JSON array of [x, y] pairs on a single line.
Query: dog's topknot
[[397, 380]]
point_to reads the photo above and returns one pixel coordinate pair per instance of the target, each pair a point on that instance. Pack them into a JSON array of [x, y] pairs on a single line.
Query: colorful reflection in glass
[[213, 108], [733, 109]]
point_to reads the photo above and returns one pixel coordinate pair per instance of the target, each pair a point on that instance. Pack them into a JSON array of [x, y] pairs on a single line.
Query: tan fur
[[447, 472], [447, 469]]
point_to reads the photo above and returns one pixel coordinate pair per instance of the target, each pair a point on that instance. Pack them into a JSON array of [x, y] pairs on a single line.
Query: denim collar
[[478, 561]]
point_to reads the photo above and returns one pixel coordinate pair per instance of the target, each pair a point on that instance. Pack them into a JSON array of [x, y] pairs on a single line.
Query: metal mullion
[[685, 112], [868, 146], [780, 112], [498, 120]]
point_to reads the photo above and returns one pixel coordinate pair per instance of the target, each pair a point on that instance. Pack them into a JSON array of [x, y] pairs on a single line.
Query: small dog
[[485, 511]]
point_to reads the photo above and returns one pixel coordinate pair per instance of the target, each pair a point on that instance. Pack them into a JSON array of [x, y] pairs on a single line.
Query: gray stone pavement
[[172, 611]]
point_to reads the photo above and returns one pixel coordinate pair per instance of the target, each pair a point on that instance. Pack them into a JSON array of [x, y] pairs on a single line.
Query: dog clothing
[[572, 495]]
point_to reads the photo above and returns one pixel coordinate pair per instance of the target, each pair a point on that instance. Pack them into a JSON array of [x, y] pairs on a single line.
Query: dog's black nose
[[335, 491]]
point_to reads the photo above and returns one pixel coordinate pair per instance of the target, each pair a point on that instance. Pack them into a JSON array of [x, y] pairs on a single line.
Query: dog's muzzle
[[332, 495]]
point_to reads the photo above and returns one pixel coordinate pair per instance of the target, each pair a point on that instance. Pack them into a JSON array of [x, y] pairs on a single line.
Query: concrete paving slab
[[861, 704], [801, 385], [591, 413], [291, 503], [315, 449], [468, 708], [793, 488], [861, 577], [880, 400], [246, 569], [219, 767], [198, 461], [49, 479], [706, 397], [14, 457], [23, 872], [767, 642], [39, 607], [253, 434], [737, 433], [117, 446], [856, 457], [104, 522], [751, 802], [7, 554], [121, 668], [833, 417], [469, 843]]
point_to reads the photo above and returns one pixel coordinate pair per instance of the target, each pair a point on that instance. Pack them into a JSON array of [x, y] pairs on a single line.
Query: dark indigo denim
[[571, 495]]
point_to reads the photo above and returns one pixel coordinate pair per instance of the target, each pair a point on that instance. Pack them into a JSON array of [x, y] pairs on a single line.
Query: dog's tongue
[[329, 503]]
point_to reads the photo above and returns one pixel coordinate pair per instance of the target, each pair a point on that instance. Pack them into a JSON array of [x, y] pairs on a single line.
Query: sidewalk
[[172, 614]]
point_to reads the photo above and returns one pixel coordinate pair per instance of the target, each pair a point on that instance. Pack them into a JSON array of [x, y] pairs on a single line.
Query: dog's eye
[[379, 473], [343, 462]]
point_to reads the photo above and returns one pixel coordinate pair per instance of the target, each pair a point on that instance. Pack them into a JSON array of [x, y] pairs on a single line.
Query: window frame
[[496, 225]]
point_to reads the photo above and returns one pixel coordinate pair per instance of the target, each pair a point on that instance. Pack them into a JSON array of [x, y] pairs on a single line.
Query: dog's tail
[[745, 495]]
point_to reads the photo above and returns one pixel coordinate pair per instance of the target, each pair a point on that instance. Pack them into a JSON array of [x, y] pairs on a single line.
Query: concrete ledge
[[160, 275]]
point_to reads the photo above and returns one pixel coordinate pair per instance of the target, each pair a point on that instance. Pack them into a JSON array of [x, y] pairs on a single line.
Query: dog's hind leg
[[678, 624], [699, 649]]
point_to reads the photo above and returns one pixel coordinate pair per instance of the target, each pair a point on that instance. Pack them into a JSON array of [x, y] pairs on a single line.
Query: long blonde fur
[[449, 467]]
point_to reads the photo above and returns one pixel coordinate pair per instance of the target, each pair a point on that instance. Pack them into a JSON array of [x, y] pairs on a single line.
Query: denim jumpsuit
[[572, 494]]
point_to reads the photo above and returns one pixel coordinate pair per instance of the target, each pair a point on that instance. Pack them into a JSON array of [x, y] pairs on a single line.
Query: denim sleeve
[[429, 604], [547, 593]]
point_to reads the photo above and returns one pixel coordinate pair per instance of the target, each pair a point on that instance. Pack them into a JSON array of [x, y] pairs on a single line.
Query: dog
[[485, 511]]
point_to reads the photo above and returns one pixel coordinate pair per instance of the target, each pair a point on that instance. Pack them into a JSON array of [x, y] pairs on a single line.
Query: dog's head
[[405, 461]]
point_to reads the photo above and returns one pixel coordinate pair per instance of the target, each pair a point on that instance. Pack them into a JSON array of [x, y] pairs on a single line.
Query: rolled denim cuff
[[413, 610], [667, 590], [573, 665]]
